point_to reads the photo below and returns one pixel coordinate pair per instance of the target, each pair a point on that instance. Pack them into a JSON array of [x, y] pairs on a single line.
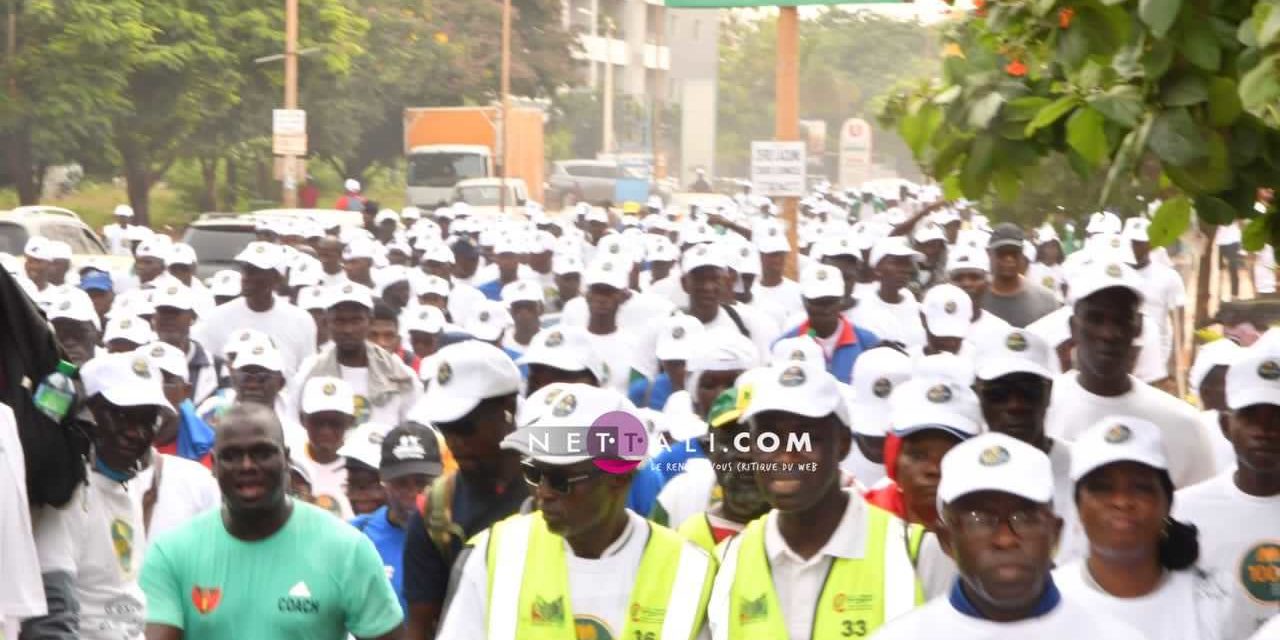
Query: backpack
[[436, 507]]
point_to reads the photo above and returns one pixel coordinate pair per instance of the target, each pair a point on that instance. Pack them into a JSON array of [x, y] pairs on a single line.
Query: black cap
[[1006, 234], [408, 449]]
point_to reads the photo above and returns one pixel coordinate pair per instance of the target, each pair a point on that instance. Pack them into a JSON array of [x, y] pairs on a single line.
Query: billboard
[[855, 152]]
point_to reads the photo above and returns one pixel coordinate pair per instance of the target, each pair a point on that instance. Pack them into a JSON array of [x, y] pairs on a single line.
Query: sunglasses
[[559, 482], [1033, 391]]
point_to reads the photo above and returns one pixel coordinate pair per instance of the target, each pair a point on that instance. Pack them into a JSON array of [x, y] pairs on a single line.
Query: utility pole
[[786, 121], [659, 96], [607, 119], [290, 96], [506, 105]]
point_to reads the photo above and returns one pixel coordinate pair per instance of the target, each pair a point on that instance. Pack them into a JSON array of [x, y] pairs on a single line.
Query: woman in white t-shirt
[[1141, 564]]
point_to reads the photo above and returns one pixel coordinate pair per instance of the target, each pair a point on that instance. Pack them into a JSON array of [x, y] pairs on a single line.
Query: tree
[[63, 82], [1184, 92]]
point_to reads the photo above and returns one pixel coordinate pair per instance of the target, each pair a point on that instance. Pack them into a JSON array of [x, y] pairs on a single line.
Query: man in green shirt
[[265, 565]]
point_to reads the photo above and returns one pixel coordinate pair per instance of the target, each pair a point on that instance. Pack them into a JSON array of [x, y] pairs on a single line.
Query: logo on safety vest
[[543, 612], [647, 614], [750, 611]]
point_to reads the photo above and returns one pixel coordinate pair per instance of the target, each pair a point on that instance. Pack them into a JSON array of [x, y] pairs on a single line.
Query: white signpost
[[778, 168], [855, 152], [289, 132]]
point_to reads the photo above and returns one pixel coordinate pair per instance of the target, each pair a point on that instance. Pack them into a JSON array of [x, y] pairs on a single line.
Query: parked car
[[593, 181], [217, 238], [55, 223], [484, 195]]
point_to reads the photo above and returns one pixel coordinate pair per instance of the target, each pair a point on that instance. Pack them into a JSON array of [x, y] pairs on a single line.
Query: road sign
[[778, 168], [288, 121], [289, 144], [855, 152]]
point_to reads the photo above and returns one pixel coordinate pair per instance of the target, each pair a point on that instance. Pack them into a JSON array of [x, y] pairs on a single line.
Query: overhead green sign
[[729, 4]]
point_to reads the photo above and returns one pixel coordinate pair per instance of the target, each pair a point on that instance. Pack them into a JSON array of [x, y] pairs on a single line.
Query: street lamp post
[[290, 196], [606, 143], [506, 105]]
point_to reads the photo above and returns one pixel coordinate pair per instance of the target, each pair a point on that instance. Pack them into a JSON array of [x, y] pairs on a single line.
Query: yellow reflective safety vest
[[528, 585], [698, 531], [857, 598]]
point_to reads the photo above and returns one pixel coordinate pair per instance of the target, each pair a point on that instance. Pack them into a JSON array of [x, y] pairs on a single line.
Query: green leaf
[[1073, 47], [1052, 113], [951, 187], [1175, 138], [1159, 15], [1215, 211], [1128, 62], [918, 128], [1007, 184], [1257, 233], [1247, 33], [1042, 7], [1121, 104], [1185, 91], [1157, 59], [1200, 46], [1267, 19], [1260, 85], [1224, 101], [1170, 221], [985, 110], [1209, 174], [1025, 108], [1126, 157], [1086, 135], [976, 175]]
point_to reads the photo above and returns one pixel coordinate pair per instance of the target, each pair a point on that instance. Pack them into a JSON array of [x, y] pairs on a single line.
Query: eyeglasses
[[1033, 391], [985, 523], [558, 481], [260, 454]]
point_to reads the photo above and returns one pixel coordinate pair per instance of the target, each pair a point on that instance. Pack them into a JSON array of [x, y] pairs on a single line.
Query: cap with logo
[[677, 337], [1006, 234], [129, 328], [564, 406], [1219, 353], [1254, 378], [173, 296], [876, 374], [259, 354], [262, 255], [947, 311], [609, 272], [1002, 353], [351, 293], [703, 256], [1136, 229], [37, 248], [563, 264], [998, 463], [487, 320], [892, 246], [921, 404], [522, 291], [362, 446], [123, 211], [563, 347], [313, 298], [73, 304], [1117, 439], [464, 374], [167, 358], [798, 349], [59, 250], [1101, 275], [325, 393], [125, 380], [966, 258], [799, 390], [821, 281], [410, 449], [181, 253], [225, 283], [771, 238], [424, 319]]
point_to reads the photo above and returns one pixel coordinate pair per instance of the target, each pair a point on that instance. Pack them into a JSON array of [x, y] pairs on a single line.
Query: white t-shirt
[[21, 591], [328, 484], [1049, 277], [1264, 271], [763, 333], [785, 296], [1188, 605], [1068, 621], [905, 327], [1152, 364], [462, 299], [599, 589], [1235, 529], [1269, 631], [106, 523], [1163, 291], [640, 315], [688, 494], [1073, 410], [620, 352], [1224, 454], [1228, 234], [290, 328], [1073, 542], [186, 490]]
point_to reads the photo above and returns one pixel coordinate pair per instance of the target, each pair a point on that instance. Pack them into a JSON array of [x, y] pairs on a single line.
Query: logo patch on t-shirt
[[299, 600], [205, 599], [1260, 572], [122, 543], [543, 612]]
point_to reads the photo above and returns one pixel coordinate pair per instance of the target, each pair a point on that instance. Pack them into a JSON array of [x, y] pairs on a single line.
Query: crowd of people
[[942, 425]]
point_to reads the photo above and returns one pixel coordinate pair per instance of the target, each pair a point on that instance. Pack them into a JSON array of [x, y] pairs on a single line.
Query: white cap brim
[[1001, 366]]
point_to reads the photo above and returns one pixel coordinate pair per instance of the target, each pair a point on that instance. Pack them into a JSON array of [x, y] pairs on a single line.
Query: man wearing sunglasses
[[584, 562], [265, 565], [1014, 386], [103, 527], [997, 522]]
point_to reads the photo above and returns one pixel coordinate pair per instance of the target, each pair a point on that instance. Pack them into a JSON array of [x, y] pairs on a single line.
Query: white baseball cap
[[564, 264], [389, 275], [609, 272], [876, 374], [1219, 353], [305, 272], [360, 249], [660, 249], [563, 347], [1117, 439], [313, 298], [596, 214], [425, 284], [487, 320], [1254, 378], [1102, 275], [522, 291], [996, 462], [386, 215], [59, 250], [125, 380], [167, 358], [567, 406], [242, 340], [260, 354], [1104, 222], [722, 351], [965, 258], [411, 213], [123, 211], [262, 255], [364, 444], [677, 337], [423, 319], [1136, 229], [929, 232], [703, 255], [325, 393], [130, 328], [836, 246], [181, 253], [438, 252], [947, 311], [797, 389], [821, 281], [156, 246], [770, 239], [616, 247], [921, 404], [175, 296], [138, 233], [135, 302], [225, 283], [351, 292], [1001, 353], [892, 246], [37, 248], [797, 350], [465, 374], [351, 184], [73, 304]]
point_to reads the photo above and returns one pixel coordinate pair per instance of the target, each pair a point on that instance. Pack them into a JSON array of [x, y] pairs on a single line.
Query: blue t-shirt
[[388, 539], [644, 490], [658, 393], [492, 290]]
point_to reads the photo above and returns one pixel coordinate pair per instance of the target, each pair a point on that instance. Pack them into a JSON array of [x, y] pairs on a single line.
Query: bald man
[[265, 565]]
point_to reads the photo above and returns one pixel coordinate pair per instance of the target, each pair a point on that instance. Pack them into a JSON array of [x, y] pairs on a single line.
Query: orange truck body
[[480, 126]]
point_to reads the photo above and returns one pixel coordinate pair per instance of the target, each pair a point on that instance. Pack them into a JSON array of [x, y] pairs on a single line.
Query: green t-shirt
[[317, 578]]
